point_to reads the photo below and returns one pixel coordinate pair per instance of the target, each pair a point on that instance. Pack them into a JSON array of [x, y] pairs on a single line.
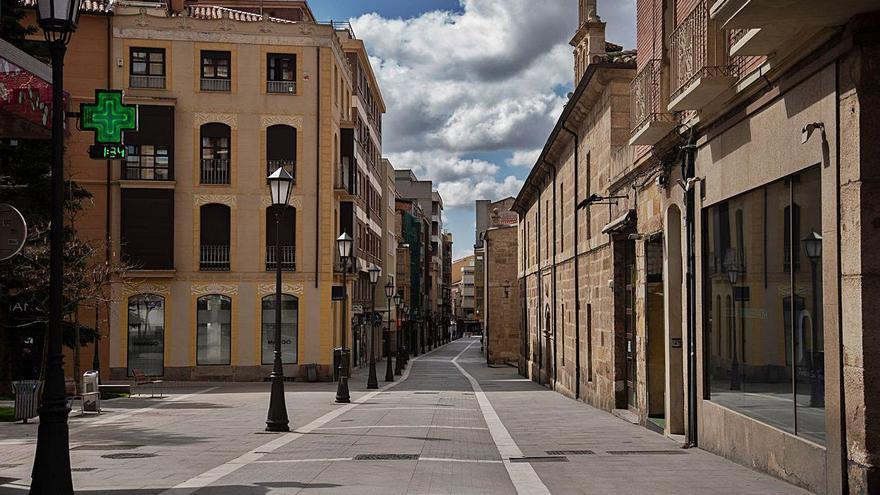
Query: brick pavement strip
[[210, 442]]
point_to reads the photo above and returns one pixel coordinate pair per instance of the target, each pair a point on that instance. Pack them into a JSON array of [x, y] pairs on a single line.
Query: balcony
[[218, 85], [147, 82], [287, 258], [289, 166], [281, 87], [650, 120], [214, 259], [215, 171], [701, 68], [787, 14]]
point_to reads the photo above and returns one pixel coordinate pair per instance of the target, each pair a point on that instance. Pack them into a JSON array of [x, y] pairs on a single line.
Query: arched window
[[285, 231], [215, 153], [281, 149], [214, 237], [289, 328], [214, 329], [146, 334]]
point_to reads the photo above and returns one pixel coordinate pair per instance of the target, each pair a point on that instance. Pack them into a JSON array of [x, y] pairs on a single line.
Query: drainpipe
[[688, 166], [844, 448], [540, 313], [577, 285], [318, 171], [486, 304], [553, 281]]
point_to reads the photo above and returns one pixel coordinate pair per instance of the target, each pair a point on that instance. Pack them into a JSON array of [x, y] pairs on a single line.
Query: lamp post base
[[389, 370], [342, 395], [372, 381], [277, 419]]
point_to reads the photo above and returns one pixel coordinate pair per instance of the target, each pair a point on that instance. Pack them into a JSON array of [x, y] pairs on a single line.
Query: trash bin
[[27, 399], [343, 355], [91, 395]]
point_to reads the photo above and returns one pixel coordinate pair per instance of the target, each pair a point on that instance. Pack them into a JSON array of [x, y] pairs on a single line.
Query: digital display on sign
[[107, 151]]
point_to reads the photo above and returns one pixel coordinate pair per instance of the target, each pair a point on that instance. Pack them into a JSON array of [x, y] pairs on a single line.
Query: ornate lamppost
[[344, 246], [389, 294], [732, 268], [372, 381], [813, 247], [51, 471], [280, 186]]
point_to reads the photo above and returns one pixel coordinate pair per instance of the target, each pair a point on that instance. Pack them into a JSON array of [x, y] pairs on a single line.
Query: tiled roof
[[620, 57], [210, 12], [85, 6]]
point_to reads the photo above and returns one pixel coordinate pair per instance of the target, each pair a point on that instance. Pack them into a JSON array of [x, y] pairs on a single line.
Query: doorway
[[548, 355], [675, 357], [625, 353], [655, 334]]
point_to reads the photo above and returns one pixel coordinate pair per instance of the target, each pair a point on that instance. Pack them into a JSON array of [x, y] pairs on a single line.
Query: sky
[[473, 87]]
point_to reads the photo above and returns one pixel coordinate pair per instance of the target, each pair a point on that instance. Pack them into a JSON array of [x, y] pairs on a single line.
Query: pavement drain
[[427, 393], [646, 452], [9, 466], [128, 455], [386, 457], [570, 452], [106, 447], [540, 458], [82, 470]]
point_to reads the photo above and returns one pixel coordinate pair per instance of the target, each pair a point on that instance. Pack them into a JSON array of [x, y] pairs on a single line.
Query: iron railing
[[148, 82], [698, 50], [287, 258], [216, 85], [215, 171], [214, 259], [288, 165], [646, 100], [281, 87]]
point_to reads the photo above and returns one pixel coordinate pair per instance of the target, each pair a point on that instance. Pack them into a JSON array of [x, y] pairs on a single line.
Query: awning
[[25, 95], [620, 223]]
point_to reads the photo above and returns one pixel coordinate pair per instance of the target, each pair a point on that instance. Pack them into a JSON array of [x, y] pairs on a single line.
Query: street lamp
[[732, 268], [344, 246], [398, 341], [389, 294], [407, 341], [813, 247], [280, 186], [374, 271], [51, 471]]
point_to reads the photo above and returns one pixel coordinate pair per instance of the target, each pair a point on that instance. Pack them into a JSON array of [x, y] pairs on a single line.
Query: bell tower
[[589, 40]]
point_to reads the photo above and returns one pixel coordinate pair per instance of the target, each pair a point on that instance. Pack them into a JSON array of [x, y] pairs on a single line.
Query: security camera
[[808, 129]]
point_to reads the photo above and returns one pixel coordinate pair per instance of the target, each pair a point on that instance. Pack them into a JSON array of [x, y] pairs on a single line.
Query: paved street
[[452, 425]]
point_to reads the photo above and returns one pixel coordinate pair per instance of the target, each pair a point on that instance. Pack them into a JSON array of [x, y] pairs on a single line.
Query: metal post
[[342, 395], [389, 371], [51, 472], [277, 418], [372, 381], [817, 385]]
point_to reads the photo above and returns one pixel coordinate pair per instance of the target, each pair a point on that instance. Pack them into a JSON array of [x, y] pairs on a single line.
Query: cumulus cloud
[[524, 158], [463, 192]]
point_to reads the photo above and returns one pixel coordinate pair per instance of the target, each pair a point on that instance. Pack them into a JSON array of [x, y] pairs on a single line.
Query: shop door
[[630, 324]]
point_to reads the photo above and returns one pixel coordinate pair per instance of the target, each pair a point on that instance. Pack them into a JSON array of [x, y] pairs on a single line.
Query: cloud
[[465, 191], [441, 166], [524, 158]]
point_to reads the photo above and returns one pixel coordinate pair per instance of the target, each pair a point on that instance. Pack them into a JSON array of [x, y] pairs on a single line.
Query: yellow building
[[226, 97]]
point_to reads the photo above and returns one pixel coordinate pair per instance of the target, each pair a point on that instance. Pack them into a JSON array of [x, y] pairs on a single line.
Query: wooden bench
[[141, 379]]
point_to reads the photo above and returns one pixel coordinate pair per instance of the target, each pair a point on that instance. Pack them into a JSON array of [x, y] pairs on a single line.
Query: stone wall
[[502, 296]]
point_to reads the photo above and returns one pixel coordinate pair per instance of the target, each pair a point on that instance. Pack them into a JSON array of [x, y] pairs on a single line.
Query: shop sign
[[108, 117]]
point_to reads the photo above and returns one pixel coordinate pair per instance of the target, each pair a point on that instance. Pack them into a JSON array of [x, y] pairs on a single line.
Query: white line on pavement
[[522, 475], [128, 414], [212, 475], [347, 459], [404, 426]]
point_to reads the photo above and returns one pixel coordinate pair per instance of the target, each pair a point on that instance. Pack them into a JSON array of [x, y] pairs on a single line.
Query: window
[[769, 360], [281, 149], [146, 334], [216, 71], [285, 231], [289, 327], [214, 238], [214, 330], [149, 150], [281, 76], [215, 153], [147, 69], [147, 235]]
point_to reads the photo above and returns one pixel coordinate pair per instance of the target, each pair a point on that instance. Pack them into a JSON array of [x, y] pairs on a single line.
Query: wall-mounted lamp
[[595, 199]]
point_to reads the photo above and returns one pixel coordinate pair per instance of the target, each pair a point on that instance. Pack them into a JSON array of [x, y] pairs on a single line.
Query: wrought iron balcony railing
[[221, 85], [646, 96], [281, 87], [148, 82], [215, 171], [214, 259], [288, 165], [287, 258], [699, 49]]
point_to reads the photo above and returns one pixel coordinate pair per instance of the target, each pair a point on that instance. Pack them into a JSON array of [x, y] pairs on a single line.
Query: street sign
[[13, 231], [108, 117]]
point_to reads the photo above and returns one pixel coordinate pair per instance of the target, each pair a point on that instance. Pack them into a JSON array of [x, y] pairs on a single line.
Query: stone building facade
[[501, 321]]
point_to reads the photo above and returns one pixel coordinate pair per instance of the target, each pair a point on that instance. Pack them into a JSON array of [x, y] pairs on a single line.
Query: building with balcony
[[226, 97], [752, 116]]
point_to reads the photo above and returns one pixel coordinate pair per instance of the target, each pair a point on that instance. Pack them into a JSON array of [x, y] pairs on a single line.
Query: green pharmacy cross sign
[[108, 117]]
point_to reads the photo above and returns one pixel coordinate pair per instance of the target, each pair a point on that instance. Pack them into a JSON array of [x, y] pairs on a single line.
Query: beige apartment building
[[226, 97]]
